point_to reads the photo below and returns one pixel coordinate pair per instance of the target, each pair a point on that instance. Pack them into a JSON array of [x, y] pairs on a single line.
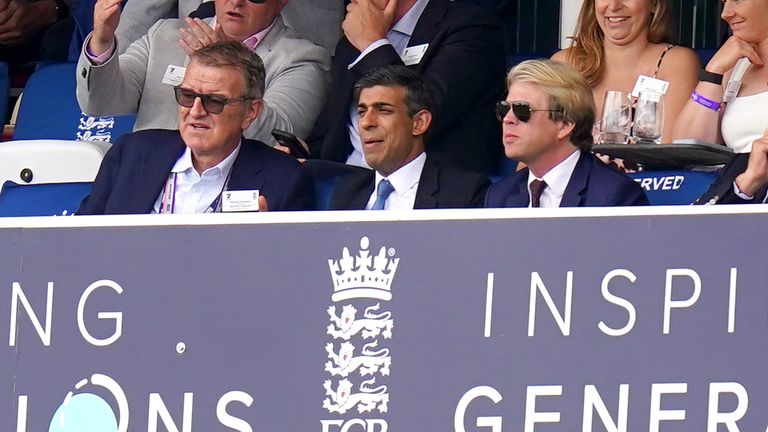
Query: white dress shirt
[[398, 37], [557, 180], [194, 192], [405, 181]]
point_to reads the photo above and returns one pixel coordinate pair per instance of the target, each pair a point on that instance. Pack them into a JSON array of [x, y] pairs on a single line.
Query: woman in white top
[[739, 121], [616, 41]]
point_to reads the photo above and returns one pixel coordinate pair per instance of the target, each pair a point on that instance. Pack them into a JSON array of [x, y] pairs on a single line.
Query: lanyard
[[167, 205]]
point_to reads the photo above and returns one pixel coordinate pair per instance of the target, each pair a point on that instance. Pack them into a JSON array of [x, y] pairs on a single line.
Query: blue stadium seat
[[49, 110], [674, 187], [41, 199]]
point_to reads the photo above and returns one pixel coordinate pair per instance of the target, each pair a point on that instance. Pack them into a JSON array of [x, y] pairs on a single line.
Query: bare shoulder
[[680, 61], [562, 56]]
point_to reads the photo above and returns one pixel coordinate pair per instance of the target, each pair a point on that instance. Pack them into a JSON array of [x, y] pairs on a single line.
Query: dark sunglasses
[[521, 109], [211, 103], [258, 1]]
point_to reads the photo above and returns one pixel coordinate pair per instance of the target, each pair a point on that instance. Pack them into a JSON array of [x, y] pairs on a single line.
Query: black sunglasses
[[521, 109], [211, 103]]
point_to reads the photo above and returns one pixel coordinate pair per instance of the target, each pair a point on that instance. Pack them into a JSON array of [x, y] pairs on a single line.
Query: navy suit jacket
[[592, 184], [721, 191], [440, 186], [463, 67], [134, 172]]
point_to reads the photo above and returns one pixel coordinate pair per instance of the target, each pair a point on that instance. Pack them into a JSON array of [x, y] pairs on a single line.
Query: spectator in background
[[23, 28], [190, 170], [142, 79], [547, 120], [618, 41], [395, 116], [737, 118], [458, 50], [316, 20]]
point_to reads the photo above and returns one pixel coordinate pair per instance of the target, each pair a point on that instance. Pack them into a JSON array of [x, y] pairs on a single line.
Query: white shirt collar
[[407, 23], [250, 42], [184, 163], [557, 180], [407, 176]]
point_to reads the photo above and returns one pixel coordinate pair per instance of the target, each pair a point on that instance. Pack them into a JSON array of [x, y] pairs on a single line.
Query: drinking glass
[[616, 123], [649, 118]]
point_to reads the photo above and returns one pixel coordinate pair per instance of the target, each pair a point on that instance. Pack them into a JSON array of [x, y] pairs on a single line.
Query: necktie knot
[[382, 193], [537, 187]]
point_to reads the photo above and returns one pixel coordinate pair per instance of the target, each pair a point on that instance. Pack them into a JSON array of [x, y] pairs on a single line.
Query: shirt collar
[[558, 177], [407, 23], [184, 163], [252, 41], [406, 177]]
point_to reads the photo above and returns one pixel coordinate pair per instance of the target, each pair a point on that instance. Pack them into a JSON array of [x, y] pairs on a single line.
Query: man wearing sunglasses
[[394, 109], [141, 80], [200, 166], [547, 121]]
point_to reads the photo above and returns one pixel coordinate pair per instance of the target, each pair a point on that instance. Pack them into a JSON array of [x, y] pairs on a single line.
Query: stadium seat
[[50, 161], [673, 187], [49, 110], [41, 199]]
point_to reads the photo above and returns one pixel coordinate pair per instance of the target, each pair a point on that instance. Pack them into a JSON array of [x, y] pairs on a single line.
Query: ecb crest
[[359, 326]]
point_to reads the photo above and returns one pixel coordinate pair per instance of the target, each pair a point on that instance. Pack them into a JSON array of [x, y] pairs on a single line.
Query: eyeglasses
[[521, 109], [211, 103], [258, 1]]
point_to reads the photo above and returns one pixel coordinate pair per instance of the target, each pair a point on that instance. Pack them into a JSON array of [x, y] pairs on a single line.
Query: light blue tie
[[385, 188]]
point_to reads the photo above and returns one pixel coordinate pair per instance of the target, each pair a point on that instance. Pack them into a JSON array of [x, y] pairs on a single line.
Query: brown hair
[[235, 55], [587, 52]]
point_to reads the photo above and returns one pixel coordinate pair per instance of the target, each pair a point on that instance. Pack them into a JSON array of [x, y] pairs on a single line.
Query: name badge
[[412, 55], [174, 75], [240, 201], [645, 83]]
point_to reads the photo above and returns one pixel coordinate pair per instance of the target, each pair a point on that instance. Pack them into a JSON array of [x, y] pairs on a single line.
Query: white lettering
[[670, 304], [564, 322], [679, 180], [356, 422], [592, 400], [657, 414], [326, 424], [618, 301], [16, 295], [732, 302], [488, 305], [122, 402], [531, 415], [21, 414], [715, 417], [461, 409], [157, 409], [116, 316], [228, 420]]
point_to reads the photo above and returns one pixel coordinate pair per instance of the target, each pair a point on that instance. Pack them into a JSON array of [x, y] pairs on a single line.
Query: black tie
[[537, 187]]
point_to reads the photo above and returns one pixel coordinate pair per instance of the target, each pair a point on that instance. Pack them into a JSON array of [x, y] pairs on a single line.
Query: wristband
[[706, 103], [710, 77]]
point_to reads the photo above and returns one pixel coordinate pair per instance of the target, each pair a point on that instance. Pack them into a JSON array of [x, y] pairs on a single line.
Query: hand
[[263, 204], [20, 20], [366, 22], [199, 34], [106, 17], [732, 50], [756, 174]]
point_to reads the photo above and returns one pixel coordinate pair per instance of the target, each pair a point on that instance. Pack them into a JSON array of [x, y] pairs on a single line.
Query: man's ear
[[421, 122], [565, 129], [252, 110]]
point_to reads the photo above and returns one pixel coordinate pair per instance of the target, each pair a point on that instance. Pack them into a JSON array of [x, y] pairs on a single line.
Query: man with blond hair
[[547, 121]]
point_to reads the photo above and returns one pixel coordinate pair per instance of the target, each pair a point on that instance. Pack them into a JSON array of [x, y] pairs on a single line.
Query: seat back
[[49, 110], [50, 161], [674, 187], [41, 199]]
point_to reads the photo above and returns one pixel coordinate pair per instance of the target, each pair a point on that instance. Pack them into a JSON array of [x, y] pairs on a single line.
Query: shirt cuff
[[741, 194], [101, 58], [371, 47]]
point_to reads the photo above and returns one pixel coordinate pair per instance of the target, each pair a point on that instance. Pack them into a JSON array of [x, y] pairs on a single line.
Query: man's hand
[[20, 20], [199, 34], [106, 17], [756, 174], [366, 22], [263, 204]]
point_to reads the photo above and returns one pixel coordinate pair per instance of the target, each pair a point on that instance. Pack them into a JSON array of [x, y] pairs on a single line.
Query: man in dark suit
[[199, 168], [547, 119], [457, 48], [394, 110]]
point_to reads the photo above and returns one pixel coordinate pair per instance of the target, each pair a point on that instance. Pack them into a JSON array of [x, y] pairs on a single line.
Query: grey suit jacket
[[296, 81]]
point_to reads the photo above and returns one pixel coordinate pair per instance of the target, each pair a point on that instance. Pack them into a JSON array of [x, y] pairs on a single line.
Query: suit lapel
[[426, 193], [247, 164], [577, 185], [427, 27], [152, 173], [520, 197]]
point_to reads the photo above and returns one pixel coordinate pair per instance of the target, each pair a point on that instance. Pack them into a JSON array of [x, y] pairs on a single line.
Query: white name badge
[[174, 75], [645, 83], [412, 55], [240, 201]]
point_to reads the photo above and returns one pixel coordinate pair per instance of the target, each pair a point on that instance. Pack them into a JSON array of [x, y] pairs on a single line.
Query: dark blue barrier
[[673, 187]]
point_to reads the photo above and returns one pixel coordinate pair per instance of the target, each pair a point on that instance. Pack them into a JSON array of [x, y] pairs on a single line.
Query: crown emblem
[[363, 276]]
